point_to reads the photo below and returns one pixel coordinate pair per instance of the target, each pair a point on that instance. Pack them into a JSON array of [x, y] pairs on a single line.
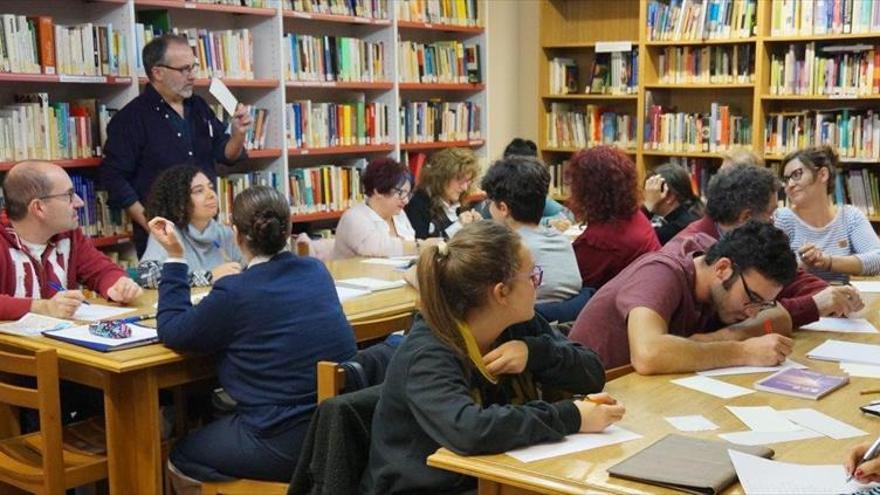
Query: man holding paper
[[166, 125]]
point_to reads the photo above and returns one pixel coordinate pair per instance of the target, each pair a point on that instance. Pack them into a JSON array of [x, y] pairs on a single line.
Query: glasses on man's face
[[536, 276], [185, 71], [70, 195], [401, 194], [793, 177], [755, 301]]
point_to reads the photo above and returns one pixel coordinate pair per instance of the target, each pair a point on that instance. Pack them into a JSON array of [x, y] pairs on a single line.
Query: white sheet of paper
[[194, 299], [843, 325], [712, 386], [32, 324], [853, 352], [223, 95], [574, 443], [395, 262], [744, 370], [822, 423], [138, 333], [862, 370], [866, 285], [95, 312], [759, 475], [763, 418], [346, 293], [370, 283], [696, 422], [767, 437]]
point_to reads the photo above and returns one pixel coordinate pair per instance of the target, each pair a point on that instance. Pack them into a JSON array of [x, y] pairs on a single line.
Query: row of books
[[700, 170], [433, 121], [439, 62], [321, 125], [229, 186], [457, 12], [97, 218], [228, 53], [563, 76], [717, 130], [237, 3], [720, 64], [255, 137], [680, 20], [325, 188], [333, 58], [841, 71], [860, 188], [855, 133], [558, 186], [36, 45], [575, 126], [806, 17], [614, 73], [374, 9]]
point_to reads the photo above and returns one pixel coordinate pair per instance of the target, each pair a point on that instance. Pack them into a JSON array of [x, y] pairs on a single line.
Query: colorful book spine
[[372, 9], [438, 62], [332, 58], [715, 64], [430, 122], [717, 130], [808, 17], [96, 217], [854, 133], [321, 125], [843, 70], [325, 188], [574, 126], [456, 12], [229, 186], [691, 20]]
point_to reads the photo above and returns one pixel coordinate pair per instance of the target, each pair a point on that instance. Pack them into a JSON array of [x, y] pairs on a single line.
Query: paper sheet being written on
[[32, 324], [574, 443], [866, 285], [745, 370], [852, 352], [95, 312], [842, 325], [760, 476]]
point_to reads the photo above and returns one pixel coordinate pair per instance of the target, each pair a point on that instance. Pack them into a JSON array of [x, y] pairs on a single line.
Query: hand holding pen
[[598, 411], [862, 463], [62, 305]]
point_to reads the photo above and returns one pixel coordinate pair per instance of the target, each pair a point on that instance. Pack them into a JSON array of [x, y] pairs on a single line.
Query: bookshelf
[[765, 95]]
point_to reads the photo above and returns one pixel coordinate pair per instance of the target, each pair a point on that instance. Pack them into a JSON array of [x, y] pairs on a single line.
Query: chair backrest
[[381, 327], [365, 369], [43, 366]]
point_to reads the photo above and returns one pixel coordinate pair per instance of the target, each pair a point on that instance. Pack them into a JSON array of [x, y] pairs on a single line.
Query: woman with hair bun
[[268, 326]]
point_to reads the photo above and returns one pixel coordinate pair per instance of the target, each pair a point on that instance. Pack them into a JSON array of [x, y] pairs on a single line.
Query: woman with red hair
[[605, 196]]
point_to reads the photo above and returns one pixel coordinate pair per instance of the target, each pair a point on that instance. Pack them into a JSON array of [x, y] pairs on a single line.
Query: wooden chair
[[42, 462], [331, 380], [377, 328], [244, 487]]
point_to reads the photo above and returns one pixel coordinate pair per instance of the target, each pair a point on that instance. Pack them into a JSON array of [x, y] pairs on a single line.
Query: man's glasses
[[755, 301], [794, 177], [536, 276], [71, 194], [186, 70], [402, 194]]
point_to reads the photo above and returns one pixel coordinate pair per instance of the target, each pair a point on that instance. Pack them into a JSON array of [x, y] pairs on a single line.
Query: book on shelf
[[803, 383], [96, 217], [808, 17], [374, 9], [434, 121], [717, 64], [718, 129], [333, 58], [438, 62], [700, 171], [457, 12], [414, 161], [325, 187], [563, 76], [558, 187], [842, 70], [855, 133], [614, 72], [236, 3], [692, 20], [229, 186], [255, 137], [321, 125], [579, 126]]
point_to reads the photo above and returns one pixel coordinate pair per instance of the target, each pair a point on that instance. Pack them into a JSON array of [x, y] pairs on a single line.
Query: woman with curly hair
[[185, 196], [439, 206], [605, 196]]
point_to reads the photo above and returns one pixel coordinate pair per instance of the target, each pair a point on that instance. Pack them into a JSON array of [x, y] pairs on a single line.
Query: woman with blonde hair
[[439, 206]]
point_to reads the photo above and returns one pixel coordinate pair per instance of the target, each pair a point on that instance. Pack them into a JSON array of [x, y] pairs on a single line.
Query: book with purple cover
[[802, 383]]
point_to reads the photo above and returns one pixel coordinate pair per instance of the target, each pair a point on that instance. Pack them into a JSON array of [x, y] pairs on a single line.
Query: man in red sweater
[[42, 245]]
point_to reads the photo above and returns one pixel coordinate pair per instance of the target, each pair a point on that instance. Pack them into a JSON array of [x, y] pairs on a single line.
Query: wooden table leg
[[131, 402]]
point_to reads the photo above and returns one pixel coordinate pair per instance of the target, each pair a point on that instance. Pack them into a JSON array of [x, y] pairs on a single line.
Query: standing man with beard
[[166, 125]]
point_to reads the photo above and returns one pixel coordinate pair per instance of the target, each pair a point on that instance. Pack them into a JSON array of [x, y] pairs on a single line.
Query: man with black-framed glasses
[[43, 248], [657, 313], [165, 126]]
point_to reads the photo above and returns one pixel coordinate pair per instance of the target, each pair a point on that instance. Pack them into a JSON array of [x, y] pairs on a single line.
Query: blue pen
[[222, 251], [135, 319], [57, 288]]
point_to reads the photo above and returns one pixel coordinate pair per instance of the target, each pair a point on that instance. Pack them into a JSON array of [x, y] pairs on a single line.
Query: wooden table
[[130, 379], [649, 399]]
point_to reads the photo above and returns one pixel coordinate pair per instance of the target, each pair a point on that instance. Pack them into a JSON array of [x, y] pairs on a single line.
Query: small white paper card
[[712, 386], [862, 370], [95, 312], [745, 370], [843, 325], [369, 283], [767, 437], [763, 418], [760, 476], [32, 324], [853, 352], [866, 285], [696, 422], [822, 423], [574, 443], [346, 293], [400, 262], [223, 95]]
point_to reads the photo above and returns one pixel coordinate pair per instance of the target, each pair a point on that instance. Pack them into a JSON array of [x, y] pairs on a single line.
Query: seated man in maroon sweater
[[656, 311], [42, 246], [741, 193]]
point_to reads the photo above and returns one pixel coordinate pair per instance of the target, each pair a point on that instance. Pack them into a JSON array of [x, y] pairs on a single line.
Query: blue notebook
[[80, 335]]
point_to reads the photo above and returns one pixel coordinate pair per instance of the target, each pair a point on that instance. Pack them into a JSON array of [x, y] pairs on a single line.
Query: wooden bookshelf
[[232, 83], [342, 150], [334, 18], [474, 143], [73, 163], [63, 78], [206, 7], [316, 217], [445, 28], [111, 240], [409, 86], [359, 85]]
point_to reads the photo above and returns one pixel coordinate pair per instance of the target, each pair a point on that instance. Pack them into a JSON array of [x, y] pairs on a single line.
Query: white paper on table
[[193, 299], [81, 333], [32, 324], [862, 370], [744, 370], [712, 386], [766, 437], [574, 443], [370, 283], [822, 423], [95, 312], [396, 262], [759, 475], [696, 422], [853, 352], [843, 325], [223, 95], [346, 293], [866, 285], [763, 418]]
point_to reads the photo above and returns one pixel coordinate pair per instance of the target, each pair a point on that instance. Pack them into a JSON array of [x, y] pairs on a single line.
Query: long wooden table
[[648, 399], [130, 379]]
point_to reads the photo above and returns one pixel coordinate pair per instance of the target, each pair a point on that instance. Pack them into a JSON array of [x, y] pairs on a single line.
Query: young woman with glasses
[[832, 240]]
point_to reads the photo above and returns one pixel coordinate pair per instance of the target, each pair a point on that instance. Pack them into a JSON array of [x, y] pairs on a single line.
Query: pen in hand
[[869, 454], [57, 288]]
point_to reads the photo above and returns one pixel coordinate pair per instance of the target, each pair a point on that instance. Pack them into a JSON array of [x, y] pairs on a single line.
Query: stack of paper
[[80, 335], [32, 325], [395, 261], [768, 425], [863, 370], [370, 284], [96, 312], [842, 325], [759, 475], [853, 352]]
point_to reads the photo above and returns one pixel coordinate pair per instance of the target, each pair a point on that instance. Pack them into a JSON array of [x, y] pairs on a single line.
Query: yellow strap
[[473, 352]]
